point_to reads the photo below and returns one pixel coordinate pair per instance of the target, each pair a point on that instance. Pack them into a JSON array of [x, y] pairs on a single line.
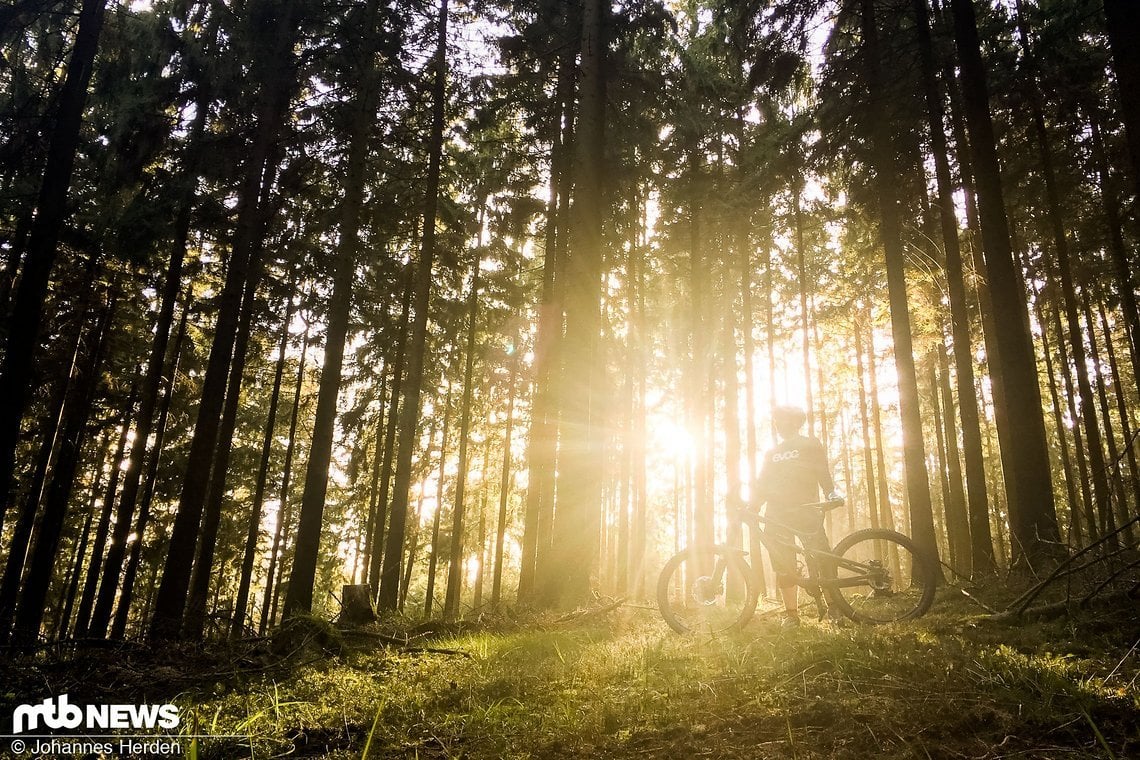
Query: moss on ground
[[949, 686]]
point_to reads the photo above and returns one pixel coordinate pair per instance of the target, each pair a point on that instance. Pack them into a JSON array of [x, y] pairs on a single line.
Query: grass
[[948, 686], [951, 685]]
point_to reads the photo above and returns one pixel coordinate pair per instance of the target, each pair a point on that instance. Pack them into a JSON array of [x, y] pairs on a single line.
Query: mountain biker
[[792, 475]]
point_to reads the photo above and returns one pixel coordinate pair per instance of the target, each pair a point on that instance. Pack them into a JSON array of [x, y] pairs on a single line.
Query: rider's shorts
[[781, 546]]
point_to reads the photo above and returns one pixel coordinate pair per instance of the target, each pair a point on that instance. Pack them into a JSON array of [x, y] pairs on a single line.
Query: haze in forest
[[486, 305]]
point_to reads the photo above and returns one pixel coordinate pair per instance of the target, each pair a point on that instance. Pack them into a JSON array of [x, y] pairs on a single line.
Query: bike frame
[[754, 521], [866, 562]]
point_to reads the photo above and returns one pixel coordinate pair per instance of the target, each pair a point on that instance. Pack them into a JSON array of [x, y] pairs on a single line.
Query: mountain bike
[[871, 576]]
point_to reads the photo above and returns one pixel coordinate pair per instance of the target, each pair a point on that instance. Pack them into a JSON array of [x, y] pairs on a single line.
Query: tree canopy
[[485, 305]]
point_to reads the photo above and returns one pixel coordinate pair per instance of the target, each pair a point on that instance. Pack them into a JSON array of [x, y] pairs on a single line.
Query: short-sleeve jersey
[[793, 472]]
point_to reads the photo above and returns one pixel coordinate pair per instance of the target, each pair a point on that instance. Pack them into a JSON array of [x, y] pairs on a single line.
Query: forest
[[365, 361]]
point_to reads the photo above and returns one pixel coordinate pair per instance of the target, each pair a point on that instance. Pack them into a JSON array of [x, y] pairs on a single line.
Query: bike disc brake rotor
[[879, 578], [705, 591]]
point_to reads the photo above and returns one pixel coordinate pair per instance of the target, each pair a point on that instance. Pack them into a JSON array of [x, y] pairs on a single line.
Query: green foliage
[[952, 686]]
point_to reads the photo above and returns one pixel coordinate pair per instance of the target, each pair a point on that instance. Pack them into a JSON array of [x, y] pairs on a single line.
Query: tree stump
[[356, 605]]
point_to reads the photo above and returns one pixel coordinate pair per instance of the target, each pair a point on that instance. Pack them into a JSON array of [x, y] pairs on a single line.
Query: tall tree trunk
[[958, 519], [249, 553], [1122, 268], [300, 596], [272, 577], [122, 611], [371, 539], [415, 527], [455, 569], [398, 374], [770, 335], [796, 190], [886, 510], [1126, 432], [1119, 515], [29, 613], [1074, 536], [54, 421], [848, 471], [410, 411], [978, 556], [433, 558], [414, 541], [577, 517], [640, 518], [172, 285], [1091, 528], [980, 524], [43, 240], [622, 443], [700, 360], [868, 464], [505, 481], [946, 537], [102, 528], [886, 181], [1025, 452], [821, 404], [731, 421], [542, 447], [1101, 493], [1074, 339], [63, 617], [275, 65], [194, 615], [481, 541], [744, 260]]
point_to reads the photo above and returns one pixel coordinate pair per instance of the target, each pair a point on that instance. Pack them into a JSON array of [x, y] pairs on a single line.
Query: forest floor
[[621, 684]]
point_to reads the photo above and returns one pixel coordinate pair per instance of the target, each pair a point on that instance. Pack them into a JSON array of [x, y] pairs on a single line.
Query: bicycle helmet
[[788, 419]]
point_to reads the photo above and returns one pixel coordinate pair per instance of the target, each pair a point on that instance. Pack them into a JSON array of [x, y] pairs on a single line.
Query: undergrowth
[[950, 685]]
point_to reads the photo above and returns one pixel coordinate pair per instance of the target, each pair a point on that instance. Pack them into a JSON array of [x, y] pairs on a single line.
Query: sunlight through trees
[[485, 305]]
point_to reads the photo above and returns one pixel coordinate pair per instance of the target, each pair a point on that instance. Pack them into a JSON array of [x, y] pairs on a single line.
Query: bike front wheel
[[706, 590], [880, 576]]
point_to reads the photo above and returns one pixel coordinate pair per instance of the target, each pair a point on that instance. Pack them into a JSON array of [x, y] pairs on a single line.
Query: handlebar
[[826, 506]]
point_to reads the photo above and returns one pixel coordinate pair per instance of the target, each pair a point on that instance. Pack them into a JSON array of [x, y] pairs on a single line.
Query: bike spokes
[[880, 577], [706, 591]]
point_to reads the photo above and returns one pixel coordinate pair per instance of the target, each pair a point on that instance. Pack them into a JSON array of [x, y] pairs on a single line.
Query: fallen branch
[[978, 602], [1107, 581], [1021, 604], [1055, 609], [401, 644], [380, 637], [434, 650], [584, 614]]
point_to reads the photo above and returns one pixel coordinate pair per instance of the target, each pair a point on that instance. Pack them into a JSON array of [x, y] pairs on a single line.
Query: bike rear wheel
[[879, 576], [706, 590]]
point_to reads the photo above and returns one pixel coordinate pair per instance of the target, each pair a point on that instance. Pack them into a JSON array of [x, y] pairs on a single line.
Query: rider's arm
[[823, 472], [761, 486]]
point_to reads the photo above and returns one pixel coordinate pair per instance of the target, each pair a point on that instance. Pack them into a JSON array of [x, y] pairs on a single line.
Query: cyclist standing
[[794, 472]]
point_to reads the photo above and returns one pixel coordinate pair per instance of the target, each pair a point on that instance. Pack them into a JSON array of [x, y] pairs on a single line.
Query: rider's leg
[[790, 595], [782, 552], [809, 523]]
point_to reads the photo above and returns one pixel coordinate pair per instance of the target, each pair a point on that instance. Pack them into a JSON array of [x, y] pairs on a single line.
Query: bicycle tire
[[692, 600], [889, 579]]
